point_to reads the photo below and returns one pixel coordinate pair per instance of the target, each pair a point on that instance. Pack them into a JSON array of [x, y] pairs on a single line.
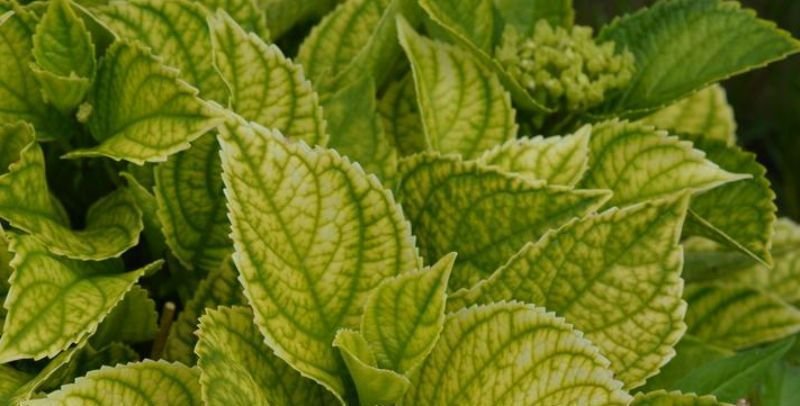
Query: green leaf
[[284, 14], [88, 359], [706, 114], [10, 381], [64, 56], [731, 378], [752, 200], [146, 382], [16, 387], [20, 95], [143, 129], [685, 45], [55, 302], [401, 118], [375, 386], [556, 160], [738, 317], [780, 385], [113, 223], [459, 26], [473, 19], [247, 13], [133, 320], [690, 353], [266, 87], [219, 288], [404, 316], [357, 39], [676, 398], [360, 136], [146, 202], [625, 264], [513, 353], [522, 15], [477, 224], [638, 163], [313, 236], [464, 107], [237, 368]]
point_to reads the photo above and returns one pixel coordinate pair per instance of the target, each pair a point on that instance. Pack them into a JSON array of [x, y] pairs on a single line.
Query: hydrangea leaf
[[219, 288], [311, 220], [55, 301], [750, 230], [463, 207], [401, 118], [375, 386], [638, 163], [237, 368], [706, 114], [266, 87], [284, 14], [464, 107], [357, 39], [360, 136], [247, 13], [624, 263], [146, 382], [10, 381], [556, 160], [20, 95], [146, 202], [404, 316], [522, 15], [143, 129], [783, 279], [674, 398], [88, 359], [664, 37], [64, 56], [690, 353], [474, 19], [133, 320], [113, 223], [21, 387], [738, 317], [731, 378], [440, 12], [511, 354]]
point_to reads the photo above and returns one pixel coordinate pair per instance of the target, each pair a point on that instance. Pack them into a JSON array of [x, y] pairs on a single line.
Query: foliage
[[421, 203]]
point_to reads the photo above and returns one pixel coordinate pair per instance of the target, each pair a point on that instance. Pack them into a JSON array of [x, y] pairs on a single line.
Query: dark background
[[766, 101]]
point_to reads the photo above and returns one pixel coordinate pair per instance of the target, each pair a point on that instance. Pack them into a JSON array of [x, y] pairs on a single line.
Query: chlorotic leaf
[[146, 382], [219, 288], [357, 39], [401, 119], [88, 359], [10, 381], [750, 230], [690, 354], [464, 107], [404, 316], [357, 130], [247, 13], [375, 386], [143, 129], [113, 223], [729, 379], [266, 87], [237, 368], [513, 354], [133, 320], [675, 398], [54, 301], [522, 15], [21, 387], [556, 160], [638, 163], [313, 236], [624, 263], [664, 37], [464, 207], [738, 317], [20, 95], [474, 19], [64, 56], [705, 114]]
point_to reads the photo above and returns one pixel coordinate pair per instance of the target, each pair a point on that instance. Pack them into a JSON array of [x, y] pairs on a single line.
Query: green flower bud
[[565, 69]]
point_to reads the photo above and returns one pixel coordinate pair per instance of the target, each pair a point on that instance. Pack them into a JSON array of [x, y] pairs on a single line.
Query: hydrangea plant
[[415, 202]]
